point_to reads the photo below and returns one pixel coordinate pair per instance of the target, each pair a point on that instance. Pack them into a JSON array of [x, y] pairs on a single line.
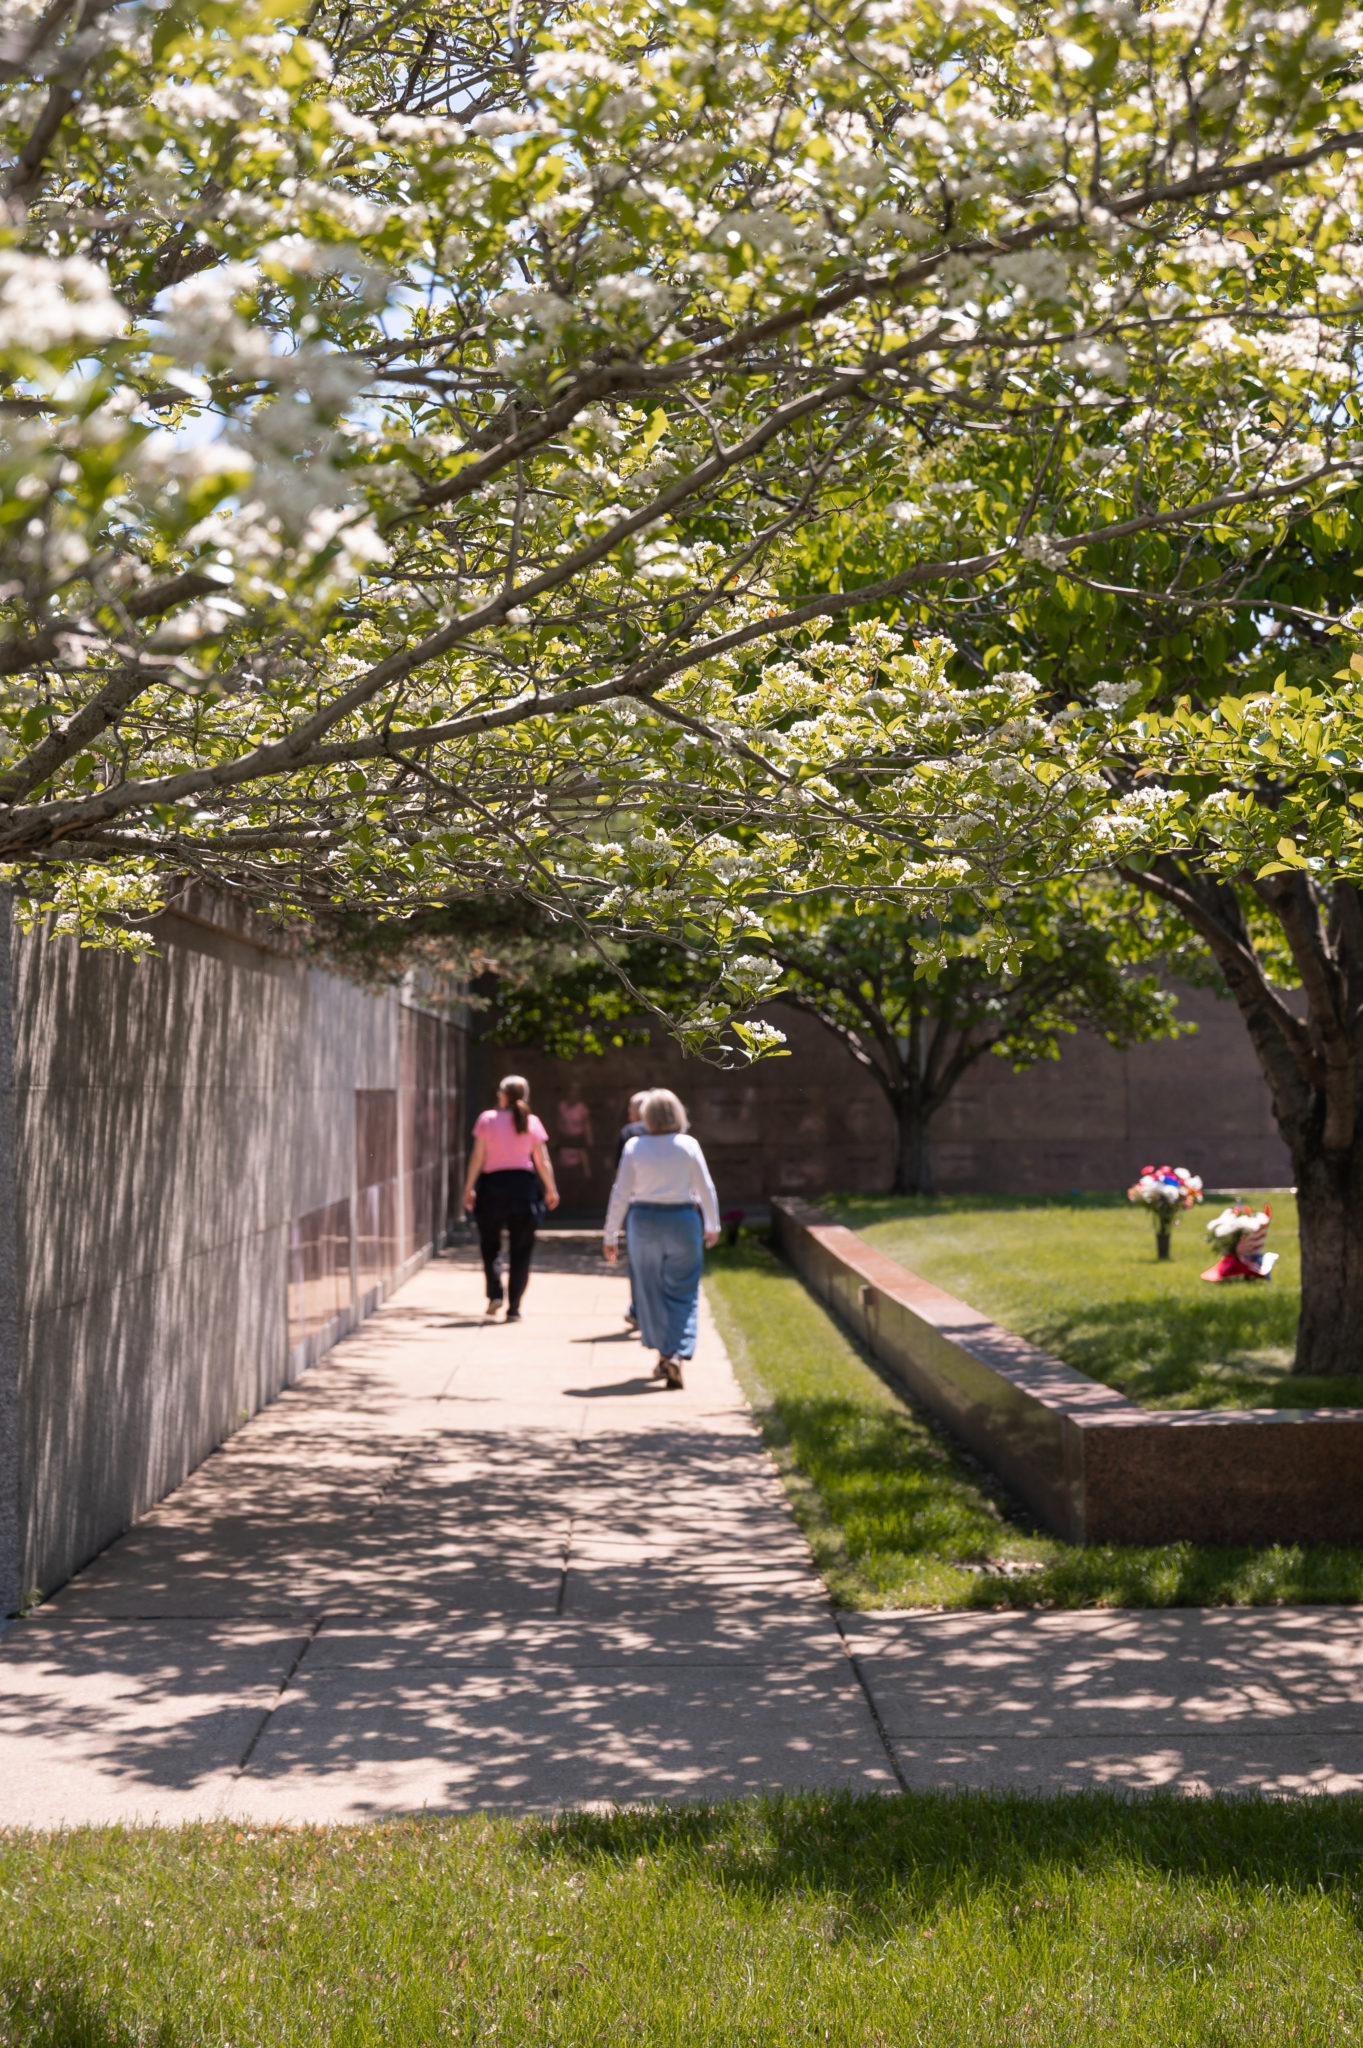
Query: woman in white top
[[665, 1198]]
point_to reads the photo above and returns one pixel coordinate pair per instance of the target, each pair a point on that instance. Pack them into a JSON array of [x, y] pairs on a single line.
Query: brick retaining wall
[[1091, 1465]]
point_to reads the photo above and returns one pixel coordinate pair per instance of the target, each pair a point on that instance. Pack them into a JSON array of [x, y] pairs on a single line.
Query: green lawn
[[897, 1516], [1079, 1276], [941, 1919]]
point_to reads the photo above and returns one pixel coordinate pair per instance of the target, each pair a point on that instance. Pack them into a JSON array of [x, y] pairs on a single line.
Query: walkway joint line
[[284, 1684], [872, 1709]]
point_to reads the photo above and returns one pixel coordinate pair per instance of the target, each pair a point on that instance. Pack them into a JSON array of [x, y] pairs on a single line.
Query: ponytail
[[516, 1089]]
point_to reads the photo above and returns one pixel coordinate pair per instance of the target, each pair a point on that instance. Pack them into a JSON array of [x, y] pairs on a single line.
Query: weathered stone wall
[[814, 1122], [186, 1196]]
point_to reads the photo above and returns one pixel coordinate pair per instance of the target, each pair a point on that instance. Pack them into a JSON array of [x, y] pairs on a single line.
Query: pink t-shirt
[[504, 1147]]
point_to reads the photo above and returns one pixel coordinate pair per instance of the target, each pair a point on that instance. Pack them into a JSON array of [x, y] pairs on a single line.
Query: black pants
[[520, 1237]]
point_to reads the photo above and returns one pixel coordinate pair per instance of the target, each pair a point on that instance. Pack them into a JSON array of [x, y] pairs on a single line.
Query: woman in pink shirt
[[509, 1184]]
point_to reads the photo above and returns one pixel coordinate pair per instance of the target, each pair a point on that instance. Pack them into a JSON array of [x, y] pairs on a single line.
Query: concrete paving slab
[[756, 1635], [235, 1570], [223, 1568], [1221, 1699], [349, 1744], [624, 1593], [107, 1721], [1237, 1761], [480, 1593], [1043, 1672]]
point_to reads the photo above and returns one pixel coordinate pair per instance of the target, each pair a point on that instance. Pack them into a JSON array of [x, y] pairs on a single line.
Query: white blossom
[[560, 70], [1105, 359], [1042, 548], [47, 304], [194, 102]]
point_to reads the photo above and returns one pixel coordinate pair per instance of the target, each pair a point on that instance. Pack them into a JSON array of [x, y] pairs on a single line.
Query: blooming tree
[[1254, 806], [448, 451]]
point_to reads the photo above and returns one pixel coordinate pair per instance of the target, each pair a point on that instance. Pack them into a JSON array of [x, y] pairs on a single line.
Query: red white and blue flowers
[[1238, 1233], [1166, 1191]]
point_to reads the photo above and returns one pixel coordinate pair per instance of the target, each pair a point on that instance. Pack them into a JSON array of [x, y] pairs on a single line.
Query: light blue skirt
[[666, 1256]]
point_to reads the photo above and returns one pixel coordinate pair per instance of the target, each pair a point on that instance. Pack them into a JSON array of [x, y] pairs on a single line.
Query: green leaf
[[654, 431]]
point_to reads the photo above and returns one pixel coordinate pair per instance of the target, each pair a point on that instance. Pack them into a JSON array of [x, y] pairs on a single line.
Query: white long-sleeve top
[[669, 1168]]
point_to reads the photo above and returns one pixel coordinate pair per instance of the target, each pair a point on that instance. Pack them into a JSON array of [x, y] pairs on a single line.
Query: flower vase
[[1163, 1238]]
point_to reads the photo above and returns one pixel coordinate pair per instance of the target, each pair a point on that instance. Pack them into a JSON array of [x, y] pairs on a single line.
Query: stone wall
[[814, 1122], [219, 1158], [1090, 1464]]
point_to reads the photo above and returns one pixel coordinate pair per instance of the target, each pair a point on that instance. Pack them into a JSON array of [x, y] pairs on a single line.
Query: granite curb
[[1091, 1465]]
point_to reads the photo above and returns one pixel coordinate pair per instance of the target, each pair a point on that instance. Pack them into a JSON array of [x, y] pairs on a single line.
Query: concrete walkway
[[458, 1565], [464, 1565]]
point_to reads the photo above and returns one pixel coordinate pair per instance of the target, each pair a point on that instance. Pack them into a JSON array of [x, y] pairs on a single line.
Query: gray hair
[[663, 1112]]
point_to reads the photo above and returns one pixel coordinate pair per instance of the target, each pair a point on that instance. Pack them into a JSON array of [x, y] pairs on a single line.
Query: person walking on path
[[509, 1185], [633, 1128], [665, 1199]]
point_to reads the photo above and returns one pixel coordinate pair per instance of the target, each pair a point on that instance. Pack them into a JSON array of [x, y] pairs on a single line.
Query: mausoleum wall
[[216, 1160]]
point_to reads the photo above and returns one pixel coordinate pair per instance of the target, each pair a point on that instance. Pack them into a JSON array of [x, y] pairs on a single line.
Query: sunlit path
[[460, 1564], [469, 1565]]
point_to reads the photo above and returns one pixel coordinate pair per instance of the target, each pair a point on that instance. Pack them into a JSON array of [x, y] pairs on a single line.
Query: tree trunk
[[1312, 1064], [912, 1159], [1330, 1221]]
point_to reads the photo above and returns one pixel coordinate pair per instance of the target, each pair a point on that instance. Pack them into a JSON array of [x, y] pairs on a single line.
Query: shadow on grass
[[886, 1478], [1156, 1351], [911, 1853], [1083, 1292], [904, 1499], [51, 2009]]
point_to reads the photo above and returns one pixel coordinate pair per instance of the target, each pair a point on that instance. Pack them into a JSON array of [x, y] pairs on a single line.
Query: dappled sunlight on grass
[[898, 1516], [952, 1920], [1079, 1276]]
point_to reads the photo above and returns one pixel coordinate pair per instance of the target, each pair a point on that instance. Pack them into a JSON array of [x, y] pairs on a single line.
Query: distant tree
[[917, 1034]]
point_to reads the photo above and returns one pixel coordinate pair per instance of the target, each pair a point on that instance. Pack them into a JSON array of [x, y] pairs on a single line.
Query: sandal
[[672, 1372]]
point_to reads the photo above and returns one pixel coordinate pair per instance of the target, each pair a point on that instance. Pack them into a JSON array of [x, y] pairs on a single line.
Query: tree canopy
[[450, 451]]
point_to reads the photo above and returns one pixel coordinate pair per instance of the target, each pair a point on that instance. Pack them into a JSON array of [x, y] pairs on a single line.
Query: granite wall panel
[[814, 1122], [11, 1535], [183, 1183]]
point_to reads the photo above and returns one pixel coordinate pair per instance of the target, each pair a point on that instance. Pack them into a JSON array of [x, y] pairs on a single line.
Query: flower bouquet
[[1238, 1233], [1165, 1191]]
